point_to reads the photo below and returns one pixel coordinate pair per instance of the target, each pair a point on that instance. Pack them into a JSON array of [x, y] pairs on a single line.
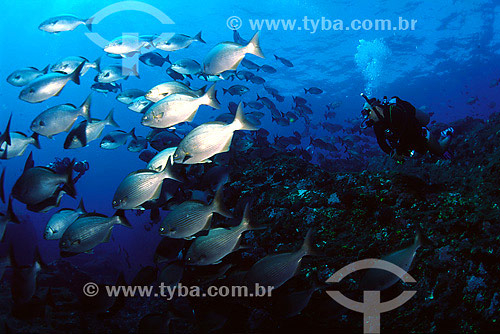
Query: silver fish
[[24, 76], [64, 23], [163, 90], [161, 159], [113, 73], [61, 220], [126, 45], [219, 242], [227, 56], [116, 138], [177, 108], [274, 270], [176, 42], [60, 118], [19, 144], [48, 85], [140, 105], [86, 131], [90, 230], [69, 64], [129, 95], [209, 139], [137, 144], [191, 217], [139, 187], [378, 280], [186, 67]]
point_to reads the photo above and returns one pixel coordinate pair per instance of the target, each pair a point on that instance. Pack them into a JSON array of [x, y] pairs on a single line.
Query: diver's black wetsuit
[[400, 129]]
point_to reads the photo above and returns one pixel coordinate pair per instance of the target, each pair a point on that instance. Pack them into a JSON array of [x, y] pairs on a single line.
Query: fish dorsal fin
[[81, 207], [20, 133], [140, 171], [30, 163], [94, 214]]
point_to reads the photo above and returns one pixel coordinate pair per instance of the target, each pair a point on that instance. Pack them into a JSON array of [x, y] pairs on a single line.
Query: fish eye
[[42, 123], [17, 77], [162, 229], [106, 74], [32, 90]]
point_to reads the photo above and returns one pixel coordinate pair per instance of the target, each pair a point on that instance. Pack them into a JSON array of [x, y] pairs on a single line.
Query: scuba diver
[[61, 165], [401, 129]]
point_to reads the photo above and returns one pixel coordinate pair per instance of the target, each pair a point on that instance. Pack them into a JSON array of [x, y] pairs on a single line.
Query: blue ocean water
[[452, 56]]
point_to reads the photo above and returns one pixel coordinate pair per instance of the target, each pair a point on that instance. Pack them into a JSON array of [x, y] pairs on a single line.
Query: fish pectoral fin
[[235, 66], [191, 117], [76, 242], [90, 251], [157, 192], [227, 145], [190, 238], [217, 262], [209, 223], [108, 236], [139, 208]]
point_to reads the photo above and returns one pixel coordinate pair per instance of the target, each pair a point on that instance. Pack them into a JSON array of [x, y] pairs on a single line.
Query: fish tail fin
[[81, 207], [84, 109], [97, 64], [210, 94], [132, 133], [120, 86], [135, 71], [46, 69], [258, 97], [245, 220], [244, 104], [5, 137], [75, 76], [241, 122], [305, 91], [253, 47], [276, 57], [88, 23], [168, 173], [198, 38], [109, 119], [218, 203], [307, 245], [2, 188], [167, 59], [36, 141], [69, 186], [224, 91], [245, 224], [418, 238], [121, 219]]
